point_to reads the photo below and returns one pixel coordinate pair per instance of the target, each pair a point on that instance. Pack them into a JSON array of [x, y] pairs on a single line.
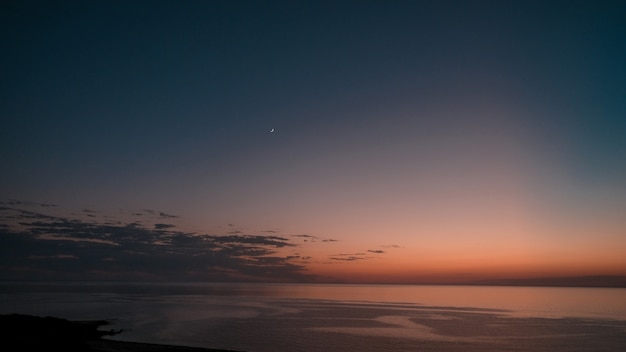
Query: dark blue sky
[[378, 109]]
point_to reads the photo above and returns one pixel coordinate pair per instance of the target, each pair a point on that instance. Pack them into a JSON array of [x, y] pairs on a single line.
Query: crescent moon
[[272, 130]]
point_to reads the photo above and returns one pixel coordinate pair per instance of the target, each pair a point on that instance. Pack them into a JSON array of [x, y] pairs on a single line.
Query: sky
[[313, 141]]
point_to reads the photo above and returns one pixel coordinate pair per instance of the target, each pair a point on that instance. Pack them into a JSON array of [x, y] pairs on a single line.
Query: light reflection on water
[[517, 301]]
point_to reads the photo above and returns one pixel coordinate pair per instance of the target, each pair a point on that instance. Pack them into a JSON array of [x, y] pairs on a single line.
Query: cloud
[[274, 241], [351, 257], [307, 237], [35, 245], [348, 259], [58, 256], [377, 251], [391, 246], [163, 226], [314, 238], [12, 215], [163, 215], [14, 202]]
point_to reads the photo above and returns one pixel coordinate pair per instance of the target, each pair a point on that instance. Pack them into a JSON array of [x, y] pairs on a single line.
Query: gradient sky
[[414, 141]]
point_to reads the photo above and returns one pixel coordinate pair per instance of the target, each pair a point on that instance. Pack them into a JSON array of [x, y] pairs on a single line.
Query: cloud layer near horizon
[[34, 245]]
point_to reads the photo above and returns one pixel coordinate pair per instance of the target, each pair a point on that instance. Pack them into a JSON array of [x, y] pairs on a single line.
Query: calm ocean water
[[285, 317]]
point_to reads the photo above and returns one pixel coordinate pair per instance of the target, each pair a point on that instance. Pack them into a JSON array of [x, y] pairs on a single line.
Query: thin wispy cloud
[[307, 237], [163, 226], [167, 216], [14, 202], [348, 258]]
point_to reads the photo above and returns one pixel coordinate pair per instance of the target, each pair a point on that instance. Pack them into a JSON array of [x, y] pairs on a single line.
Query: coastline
[[25, 332]]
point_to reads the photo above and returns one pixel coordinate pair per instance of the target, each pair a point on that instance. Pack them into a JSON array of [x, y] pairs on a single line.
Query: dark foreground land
[[30, 333]]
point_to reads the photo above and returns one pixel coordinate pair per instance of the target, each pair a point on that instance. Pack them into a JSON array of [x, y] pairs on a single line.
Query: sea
[[322, 318]]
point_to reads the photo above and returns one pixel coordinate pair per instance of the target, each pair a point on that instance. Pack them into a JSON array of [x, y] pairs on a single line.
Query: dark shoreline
[[27, 332]]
